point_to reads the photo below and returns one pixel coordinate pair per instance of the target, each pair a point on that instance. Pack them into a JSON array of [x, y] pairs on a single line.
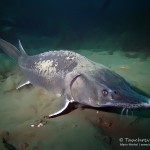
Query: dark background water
[[108, 24]]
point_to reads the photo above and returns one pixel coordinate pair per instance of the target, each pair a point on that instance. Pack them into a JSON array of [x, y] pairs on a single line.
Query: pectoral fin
[[23, 83], [59, 106]]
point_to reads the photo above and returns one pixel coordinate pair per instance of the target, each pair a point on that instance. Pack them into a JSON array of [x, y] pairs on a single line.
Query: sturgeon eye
[[104, 92]]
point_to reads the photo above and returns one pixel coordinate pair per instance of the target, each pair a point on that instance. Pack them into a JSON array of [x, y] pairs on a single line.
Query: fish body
[[74, 78], [49, 70]]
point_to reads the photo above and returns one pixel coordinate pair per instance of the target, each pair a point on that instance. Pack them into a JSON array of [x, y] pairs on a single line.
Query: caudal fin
[[11, 50]]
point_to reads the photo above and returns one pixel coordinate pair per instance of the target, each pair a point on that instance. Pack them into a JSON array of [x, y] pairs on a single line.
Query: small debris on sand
[[104, 123], [23, 146], [124, 67]]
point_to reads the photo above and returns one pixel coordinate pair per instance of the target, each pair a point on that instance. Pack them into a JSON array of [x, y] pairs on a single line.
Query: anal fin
[[22, 83]]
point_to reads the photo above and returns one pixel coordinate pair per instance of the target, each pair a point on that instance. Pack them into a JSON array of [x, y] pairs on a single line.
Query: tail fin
[[11, 50]]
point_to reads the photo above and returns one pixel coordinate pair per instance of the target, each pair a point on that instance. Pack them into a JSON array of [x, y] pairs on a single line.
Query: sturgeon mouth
[[130, 100], [126, 105]]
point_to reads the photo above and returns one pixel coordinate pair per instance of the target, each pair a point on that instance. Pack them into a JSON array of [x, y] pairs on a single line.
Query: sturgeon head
[[104, 88]]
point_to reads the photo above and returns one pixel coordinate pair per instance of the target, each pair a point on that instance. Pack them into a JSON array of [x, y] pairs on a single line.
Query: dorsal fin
[[21, 49]]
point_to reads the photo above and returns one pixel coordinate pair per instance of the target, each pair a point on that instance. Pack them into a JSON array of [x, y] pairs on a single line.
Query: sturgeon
[[74, 78]]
